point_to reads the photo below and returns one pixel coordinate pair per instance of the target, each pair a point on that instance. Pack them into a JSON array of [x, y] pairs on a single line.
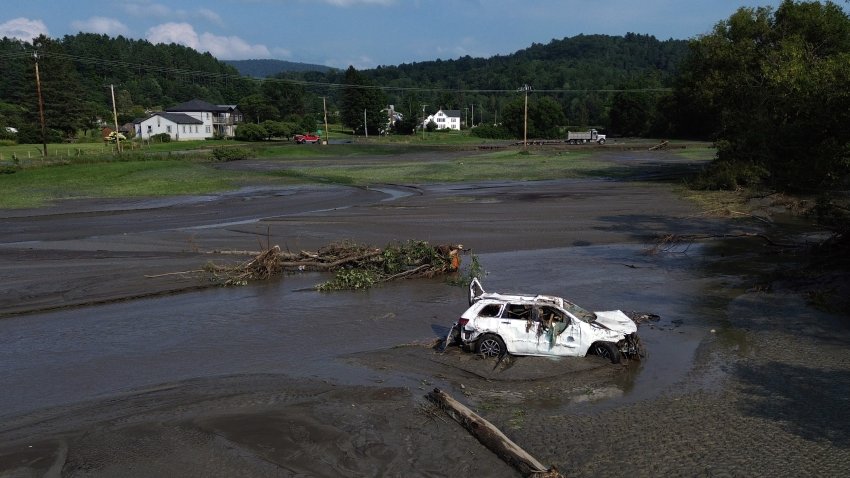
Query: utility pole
[[40, 105], [365, 127], [325, 108], [115, 117], [473, 114], [525, 89], [423, 121], [466, 114]]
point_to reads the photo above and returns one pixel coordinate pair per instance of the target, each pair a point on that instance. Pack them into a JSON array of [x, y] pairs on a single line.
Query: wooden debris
[[356, 266], [661, 145], [492, 437]]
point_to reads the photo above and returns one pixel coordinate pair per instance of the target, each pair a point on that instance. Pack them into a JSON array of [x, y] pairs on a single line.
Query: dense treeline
[[577, 73], [76, 72], [772, 88]]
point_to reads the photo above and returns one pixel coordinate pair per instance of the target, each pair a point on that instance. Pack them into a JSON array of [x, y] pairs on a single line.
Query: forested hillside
[[77, 71], [266, 68], [579, 73]]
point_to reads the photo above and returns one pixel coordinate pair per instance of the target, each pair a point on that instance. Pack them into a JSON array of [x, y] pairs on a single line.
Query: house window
[[168, 129], [208, 129]]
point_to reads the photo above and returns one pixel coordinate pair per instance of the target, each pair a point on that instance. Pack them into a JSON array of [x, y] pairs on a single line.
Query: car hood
[[616, 320]]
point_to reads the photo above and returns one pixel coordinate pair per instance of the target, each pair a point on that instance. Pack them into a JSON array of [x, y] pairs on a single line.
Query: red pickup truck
[[307, 138]]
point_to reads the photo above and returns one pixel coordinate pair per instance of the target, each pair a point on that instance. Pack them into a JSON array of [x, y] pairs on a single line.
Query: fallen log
[[492, 437]]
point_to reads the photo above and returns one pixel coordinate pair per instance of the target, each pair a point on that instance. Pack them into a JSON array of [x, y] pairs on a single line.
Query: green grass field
[[183, 168]]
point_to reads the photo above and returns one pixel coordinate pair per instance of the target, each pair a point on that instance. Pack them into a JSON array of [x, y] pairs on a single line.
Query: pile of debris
[[355, 266]]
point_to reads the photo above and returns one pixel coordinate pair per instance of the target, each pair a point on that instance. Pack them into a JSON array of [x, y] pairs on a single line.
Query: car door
[[517, 330], [561, 333]]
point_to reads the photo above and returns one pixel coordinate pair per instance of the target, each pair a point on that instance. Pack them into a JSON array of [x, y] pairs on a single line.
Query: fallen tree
[[492, 437], [355, 266]]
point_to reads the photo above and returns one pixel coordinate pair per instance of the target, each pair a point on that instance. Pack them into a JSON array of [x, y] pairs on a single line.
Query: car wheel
[[601, 141], [607, 350], [490, 345]]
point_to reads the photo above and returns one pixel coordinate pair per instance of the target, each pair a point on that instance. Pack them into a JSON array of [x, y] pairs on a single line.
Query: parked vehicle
[[585, 137], [524, 324], [307, 138]]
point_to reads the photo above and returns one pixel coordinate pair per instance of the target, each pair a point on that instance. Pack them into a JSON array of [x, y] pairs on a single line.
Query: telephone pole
[[423, 121], [115, 118], [325, 108], [525, 89], [40, 105]]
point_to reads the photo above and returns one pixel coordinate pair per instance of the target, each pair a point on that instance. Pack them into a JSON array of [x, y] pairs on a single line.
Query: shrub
[[491, 132], [161, 138], [230, 153], [250, 132], [728, 175]]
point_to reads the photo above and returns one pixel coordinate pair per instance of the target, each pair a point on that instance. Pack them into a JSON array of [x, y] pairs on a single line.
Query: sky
[[363, 33]]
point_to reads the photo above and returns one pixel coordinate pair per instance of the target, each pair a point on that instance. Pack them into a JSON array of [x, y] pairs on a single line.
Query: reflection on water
[[279, 327]]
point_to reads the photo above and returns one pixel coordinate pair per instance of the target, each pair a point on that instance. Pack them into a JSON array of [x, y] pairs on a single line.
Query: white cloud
[[108, 26], [282, 52], [221, 47], [210, 16], [232, 48], [180, 33], [23, 29]]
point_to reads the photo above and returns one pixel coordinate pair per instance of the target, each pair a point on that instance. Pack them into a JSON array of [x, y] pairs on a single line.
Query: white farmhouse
[[179, 126], [192, 120], [444, 119]]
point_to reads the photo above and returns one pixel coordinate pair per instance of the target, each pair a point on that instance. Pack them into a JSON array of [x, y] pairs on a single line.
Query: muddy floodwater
[[113, 363]]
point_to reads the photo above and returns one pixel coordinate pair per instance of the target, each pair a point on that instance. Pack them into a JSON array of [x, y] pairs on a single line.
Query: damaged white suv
[[519, 324]]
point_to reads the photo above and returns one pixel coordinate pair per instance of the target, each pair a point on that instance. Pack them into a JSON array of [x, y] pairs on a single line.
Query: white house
[[444, 119], [192, 120], [179, 126]]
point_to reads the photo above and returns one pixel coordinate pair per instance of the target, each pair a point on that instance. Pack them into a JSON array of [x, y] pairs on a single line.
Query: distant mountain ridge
[[265, 68]]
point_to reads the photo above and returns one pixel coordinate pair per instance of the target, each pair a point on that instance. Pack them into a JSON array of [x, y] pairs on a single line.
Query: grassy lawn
[[177, 168], [36, 186], [498, 165]]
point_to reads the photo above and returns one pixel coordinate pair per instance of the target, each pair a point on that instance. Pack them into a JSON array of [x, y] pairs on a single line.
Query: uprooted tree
[[355, 266]]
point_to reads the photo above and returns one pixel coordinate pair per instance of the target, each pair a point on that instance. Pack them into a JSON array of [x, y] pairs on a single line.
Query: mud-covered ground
[[108, 371]]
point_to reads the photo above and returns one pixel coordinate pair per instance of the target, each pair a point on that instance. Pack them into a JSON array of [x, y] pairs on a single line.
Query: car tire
[[490, 345], [607, 350]]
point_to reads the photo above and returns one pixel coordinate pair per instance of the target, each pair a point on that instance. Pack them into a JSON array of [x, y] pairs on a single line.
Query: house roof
[[452, 113], [198, 106], [177, 118]]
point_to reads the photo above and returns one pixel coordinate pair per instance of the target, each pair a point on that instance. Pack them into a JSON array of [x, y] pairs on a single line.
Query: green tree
[[545, 117], [255, 109], [774, 86], [250, 132], [631, 114], [361, 104], [275, 129], [286, 97]]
